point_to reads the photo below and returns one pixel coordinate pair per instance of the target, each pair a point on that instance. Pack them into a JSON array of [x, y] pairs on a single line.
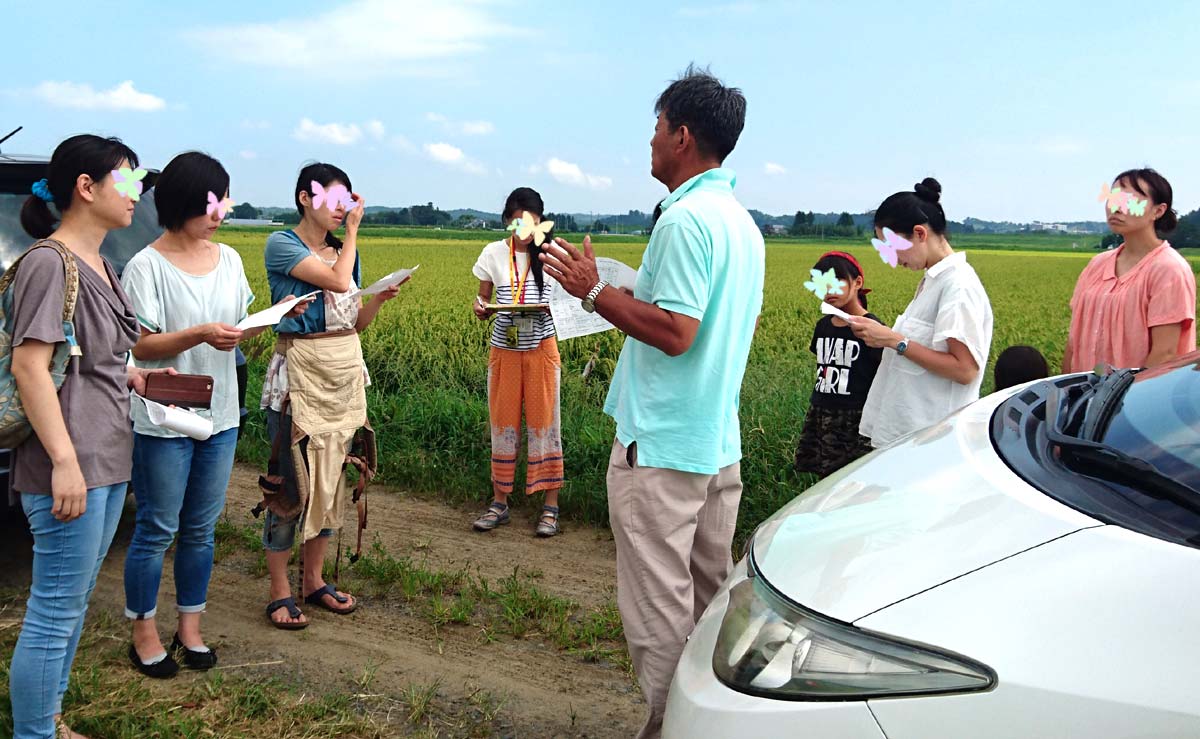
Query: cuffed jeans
[[179, 484]]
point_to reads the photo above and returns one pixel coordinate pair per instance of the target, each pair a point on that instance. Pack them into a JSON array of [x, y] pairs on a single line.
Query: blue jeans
[[279, 534], [179, 485], [66, 560]]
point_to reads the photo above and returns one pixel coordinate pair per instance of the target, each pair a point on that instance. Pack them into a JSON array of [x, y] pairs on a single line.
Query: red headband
[[850, 258]]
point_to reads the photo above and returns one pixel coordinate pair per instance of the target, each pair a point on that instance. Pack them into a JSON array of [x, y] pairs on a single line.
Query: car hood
[[931, 507]]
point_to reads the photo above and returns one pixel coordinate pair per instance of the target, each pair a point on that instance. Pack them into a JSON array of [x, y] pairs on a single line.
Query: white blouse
[[950, 304]]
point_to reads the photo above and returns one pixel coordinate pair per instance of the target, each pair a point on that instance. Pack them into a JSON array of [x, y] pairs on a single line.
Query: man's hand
[[574, 270]]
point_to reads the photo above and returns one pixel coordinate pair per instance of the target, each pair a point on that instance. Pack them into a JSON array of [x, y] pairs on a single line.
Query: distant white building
[[251, 222]]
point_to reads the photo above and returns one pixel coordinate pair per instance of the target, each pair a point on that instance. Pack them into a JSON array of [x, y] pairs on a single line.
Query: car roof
[[18, 172]]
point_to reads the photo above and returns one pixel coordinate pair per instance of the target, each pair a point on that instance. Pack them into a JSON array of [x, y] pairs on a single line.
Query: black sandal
[[193, 659], [317, 598], [293, 610]]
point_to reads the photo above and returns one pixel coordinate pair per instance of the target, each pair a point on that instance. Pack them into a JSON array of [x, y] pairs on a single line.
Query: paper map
[[570, 319]]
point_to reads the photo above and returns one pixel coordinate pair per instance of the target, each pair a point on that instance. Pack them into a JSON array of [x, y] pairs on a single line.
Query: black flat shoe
[[192, 659], [159, 670]]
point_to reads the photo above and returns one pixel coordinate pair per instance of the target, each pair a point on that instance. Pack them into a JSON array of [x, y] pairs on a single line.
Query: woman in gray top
[[72, 471]]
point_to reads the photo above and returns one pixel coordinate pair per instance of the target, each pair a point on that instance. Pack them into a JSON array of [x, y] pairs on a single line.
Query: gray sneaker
[[495, 515], [548, 521]]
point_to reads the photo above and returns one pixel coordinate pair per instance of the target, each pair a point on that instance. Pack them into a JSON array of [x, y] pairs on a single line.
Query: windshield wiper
[[1104, 403], [1112, 464]]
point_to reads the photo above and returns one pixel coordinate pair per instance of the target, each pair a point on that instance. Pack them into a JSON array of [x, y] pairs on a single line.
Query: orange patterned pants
[[529, 379]]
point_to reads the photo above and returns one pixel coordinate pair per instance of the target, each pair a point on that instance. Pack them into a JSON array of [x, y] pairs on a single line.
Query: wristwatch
[[589, 303], [902, 346]]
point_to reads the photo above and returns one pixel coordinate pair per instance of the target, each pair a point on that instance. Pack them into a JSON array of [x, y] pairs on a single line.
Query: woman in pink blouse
[[1134, 306]]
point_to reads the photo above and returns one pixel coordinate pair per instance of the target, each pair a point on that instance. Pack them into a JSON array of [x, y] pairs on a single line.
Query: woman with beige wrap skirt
[[315, 383]]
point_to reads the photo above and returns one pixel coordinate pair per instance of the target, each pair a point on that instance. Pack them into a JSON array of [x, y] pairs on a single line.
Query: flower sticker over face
[[222, 206], [1116, 199], [129, 182], [330, 198], [892, 243], [823, 284], [524, 227]]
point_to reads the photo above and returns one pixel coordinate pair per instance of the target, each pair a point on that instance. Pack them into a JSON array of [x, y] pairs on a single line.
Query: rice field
[[427, 356]]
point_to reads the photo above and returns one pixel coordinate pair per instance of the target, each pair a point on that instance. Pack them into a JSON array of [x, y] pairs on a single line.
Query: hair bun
[[929, 190]]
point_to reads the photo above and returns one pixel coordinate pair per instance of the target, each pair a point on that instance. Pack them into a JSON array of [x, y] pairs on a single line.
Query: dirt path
[[546, 690]]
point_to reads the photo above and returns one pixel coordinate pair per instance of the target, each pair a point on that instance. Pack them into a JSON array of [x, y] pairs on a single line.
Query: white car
[[1027, 568]]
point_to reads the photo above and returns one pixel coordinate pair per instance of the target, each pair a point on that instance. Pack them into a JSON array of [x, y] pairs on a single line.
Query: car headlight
[[774, 649]]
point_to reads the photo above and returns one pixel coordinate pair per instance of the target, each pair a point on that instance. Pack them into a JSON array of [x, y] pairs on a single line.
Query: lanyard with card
[[521, 323]]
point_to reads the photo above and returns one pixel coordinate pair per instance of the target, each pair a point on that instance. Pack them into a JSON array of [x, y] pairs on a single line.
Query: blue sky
[[1021, 109]]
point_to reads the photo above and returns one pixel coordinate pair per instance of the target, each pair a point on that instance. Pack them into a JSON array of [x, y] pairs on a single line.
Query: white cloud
[[464, 128], [570, 173], [453, 156], [401, 143], [247, 154], [342, 134], [773, 168], [256, 125], [374, 128], [84, 97], [360, 38], [477, 128]]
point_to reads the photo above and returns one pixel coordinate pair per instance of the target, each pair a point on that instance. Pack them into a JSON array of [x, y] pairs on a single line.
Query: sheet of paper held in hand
[[274, 314], [383, 283], [570, 319], [830, 310]]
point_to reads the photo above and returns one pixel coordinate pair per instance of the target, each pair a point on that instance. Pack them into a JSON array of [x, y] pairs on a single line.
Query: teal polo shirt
[[705, 260]]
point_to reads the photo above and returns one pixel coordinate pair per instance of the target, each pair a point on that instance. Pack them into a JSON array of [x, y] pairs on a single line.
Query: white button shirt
[[950, 304]]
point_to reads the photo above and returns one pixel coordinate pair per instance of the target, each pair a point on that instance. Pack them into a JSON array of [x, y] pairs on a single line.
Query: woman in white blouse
[[940, 343]]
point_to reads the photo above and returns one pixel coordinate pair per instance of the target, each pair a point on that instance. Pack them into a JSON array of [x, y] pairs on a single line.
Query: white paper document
[[384, 283], [179, 420], [830, 310], [274, 314], [570, 319]]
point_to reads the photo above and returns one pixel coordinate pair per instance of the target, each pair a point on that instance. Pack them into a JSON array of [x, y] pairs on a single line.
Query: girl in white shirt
[[939, 345]]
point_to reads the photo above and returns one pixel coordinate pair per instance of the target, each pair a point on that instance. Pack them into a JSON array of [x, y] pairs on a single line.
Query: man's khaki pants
[[673, 532]]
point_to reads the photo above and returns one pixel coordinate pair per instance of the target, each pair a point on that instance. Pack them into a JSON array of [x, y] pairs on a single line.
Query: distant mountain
[[638, 220]]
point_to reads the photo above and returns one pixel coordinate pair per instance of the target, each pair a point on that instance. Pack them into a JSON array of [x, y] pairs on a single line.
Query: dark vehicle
[[17, 175]]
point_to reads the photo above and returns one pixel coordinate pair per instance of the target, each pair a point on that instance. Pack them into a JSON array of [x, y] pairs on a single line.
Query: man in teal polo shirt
[[674, 480]]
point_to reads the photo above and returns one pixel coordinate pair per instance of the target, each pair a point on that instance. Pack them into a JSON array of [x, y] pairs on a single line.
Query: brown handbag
[[185, 391]]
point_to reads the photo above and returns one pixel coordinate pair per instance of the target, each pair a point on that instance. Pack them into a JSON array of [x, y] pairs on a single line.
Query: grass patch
[[513, 605], [106, 699]]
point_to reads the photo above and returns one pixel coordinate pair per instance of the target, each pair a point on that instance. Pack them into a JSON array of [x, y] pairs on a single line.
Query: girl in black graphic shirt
[[845, 369]]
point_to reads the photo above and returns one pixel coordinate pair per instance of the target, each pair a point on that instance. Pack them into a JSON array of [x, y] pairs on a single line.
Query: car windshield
[[118, 246], [1124, 449], [1158, 420]]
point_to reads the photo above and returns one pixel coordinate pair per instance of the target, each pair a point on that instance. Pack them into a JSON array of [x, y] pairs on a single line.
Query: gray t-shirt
[[167, 299], [94, 398]]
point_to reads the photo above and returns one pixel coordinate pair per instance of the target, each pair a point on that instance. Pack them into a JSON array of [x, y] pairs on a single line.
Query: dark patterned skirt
[[830, 440]]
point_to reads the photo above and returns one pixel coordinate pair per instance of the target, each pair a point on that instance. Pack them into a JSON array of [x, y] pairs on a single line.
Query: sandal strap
[[289, 603], [320, 593]]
